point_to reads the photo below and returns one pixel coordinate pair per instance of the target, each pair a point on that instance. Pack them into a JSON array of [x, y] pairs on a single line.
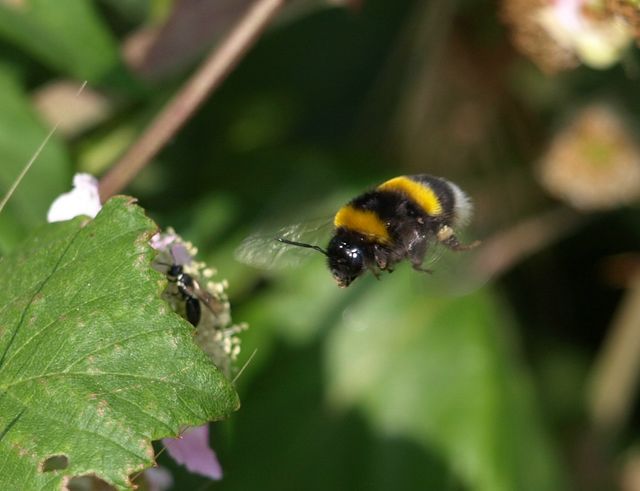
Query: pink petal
[[569, 13], [158, 479], [193, 451], [162, 241], [180, 254], [171, 243]]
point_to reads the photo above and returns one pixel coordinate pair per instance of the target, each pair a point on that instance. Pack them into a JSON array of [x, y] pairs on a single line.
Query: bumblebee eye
[[354, 257]]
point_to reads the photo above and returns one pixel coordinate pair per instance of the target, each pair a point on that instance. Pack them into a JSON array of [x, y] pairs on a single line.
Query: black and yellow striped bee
[[400, 219]]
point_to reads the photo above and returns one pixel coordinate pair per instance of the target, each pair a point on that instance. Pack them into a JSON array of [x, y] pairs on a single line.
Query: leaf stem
[[178, 110]]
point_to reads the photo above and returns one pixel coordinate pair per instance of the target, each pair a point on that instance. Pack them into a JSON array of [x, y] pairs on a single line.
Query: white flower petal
[[83, 199]]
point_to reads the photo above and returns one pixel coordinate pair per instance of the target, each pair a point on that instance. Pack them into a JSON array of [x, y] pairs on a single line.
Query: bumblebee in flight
[[398, 220]]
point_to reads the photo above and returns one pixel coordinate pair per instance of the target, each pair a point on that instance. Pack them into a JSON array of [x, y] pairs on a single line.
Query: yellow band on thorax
[[421, 194], [365, 222]]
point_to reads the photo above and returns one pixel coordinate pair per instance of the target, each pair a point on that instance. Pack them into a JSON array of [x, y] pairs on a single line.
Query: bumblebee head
[[345, 256], [346, 260]]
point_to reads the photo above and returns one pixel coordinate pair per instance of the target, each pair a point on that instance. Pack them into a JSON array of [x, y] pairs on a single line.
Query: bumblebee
[[397, 220]]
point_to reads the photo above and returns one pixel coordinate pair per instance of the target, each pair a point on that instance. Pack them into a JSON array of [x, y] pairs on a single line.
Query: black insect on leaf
[[94, 365]]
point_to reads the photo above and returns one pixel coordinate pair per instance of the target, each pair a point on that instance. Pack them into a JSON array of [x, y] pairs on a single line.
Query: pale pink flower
[[597, 42], [561, 34], [193, 451], [158, 479]]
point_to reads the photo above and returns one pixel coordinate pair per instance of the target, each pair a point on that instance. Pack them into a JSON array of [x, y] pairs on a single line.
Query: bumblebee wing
[[454, 272], [435, 252], [263, 250]]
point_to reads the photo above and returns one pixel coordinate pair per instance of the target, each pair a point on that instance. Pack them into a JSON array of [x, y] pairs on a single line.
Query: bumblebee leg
[[381, 257], [419, 267], [416, 253], [446, 237]]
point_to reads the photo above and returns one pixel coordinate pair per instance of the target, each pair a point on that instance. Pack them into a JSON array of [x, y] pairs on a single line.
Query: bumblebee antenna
[[302, 244]]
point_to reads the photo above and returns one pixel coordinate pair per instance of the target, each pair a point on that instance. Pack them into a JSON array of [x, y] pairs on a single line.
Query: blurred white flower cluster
[[215, 334], [593, 162], [561, 34]]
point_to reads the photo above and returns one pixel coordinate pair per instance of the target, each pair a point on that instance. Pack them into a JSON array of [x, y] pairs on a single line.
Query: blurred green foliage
[[391, 383]]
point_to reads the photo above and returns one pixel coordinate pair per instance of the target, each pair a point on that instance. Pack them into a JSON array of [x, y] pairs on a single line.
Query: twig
[[504, 249], [26, 168], [34, 157], [246, 364], [616, 371], [213, 71]]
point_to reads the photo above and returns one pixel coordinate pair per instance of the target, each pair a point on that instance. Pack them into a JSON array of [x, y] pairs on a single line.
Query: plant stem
[[213, 71], [614, 381], [504, 249], [26, 168]]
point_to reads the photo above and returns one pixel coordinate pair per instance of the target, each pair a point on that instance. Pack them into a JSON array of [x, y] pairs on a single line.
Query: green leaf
[[439, 370], [20, 135], [93, 364], [316, 448], [67, 35]]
